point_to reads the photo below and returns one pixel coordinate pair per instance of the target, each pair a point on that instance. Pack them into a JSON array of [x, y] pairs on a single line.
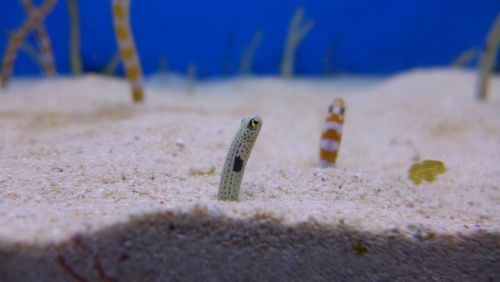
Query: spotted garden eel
[[237, 157]]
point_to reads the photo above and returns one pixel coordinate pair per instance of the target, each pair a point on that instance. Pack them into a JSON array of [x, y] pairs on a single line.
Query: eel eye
[[254, 124]]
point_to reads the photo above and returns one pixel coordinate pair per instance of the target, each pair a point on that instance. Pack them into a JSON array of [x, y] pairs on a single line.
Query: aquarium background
[[349, 37]]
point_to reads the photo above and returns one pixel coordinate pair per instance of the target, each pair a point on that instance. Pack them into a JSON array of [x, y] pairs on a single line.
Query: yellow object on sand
[[426, 170]]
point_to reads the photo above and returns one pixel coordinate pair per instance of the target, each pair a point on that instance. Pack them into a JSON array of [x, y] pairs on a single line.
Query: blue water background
[[350, 36]]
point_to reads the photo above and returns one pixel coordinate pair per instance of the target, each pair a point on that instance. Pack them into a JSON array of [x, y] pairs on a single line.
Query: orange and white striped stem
[[34, 20], [128, 52], [44, 40], [332, 133]]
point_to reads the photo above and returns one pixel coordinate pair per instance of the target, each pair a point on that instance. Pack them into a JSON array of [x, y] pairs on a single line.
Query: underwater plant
[[33, 53], [191, 78], [464, 58], [47, 58], [226, 64], [34, 22], [488, 59], [237, 157], [74, 42], [332, 133], [249, 53], [112, 64], [297, 31], [163, 64], [128, 52], [426, 171], [329, 58]]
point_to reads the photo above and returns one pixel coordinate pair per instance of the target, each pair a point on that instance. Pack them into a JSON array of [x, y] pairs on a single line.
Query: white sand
[[76, 157]]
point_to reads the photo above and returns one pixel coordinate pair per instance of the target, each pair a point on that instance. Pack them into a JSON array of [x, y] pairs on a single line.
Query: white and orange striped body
[[128, 52], [34, 22], [332, 133]]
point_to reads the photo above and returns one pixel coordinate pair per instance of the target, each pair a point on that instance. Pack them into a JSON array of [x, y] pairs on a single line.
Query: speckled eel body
[[237, 157]]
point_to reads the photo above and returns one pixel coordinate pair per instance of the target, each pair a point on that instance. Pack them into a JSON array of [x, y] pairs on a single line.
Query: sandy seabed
[[95, 188]]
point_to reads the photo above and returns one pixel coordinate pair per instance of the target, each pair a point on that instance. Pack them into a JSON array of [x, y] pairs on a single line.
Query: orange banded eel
[[34, 21], [332, 133], [128, 52]]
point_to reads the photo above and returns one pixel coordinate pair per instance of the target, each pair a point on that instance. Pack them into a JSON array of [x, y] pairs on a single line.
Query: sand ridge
[[77, 157]]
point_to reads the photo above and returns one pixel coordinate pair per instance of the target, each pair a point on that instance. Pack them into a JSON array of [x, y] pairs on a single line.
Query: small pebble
[[179, 142], [57, 169]]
